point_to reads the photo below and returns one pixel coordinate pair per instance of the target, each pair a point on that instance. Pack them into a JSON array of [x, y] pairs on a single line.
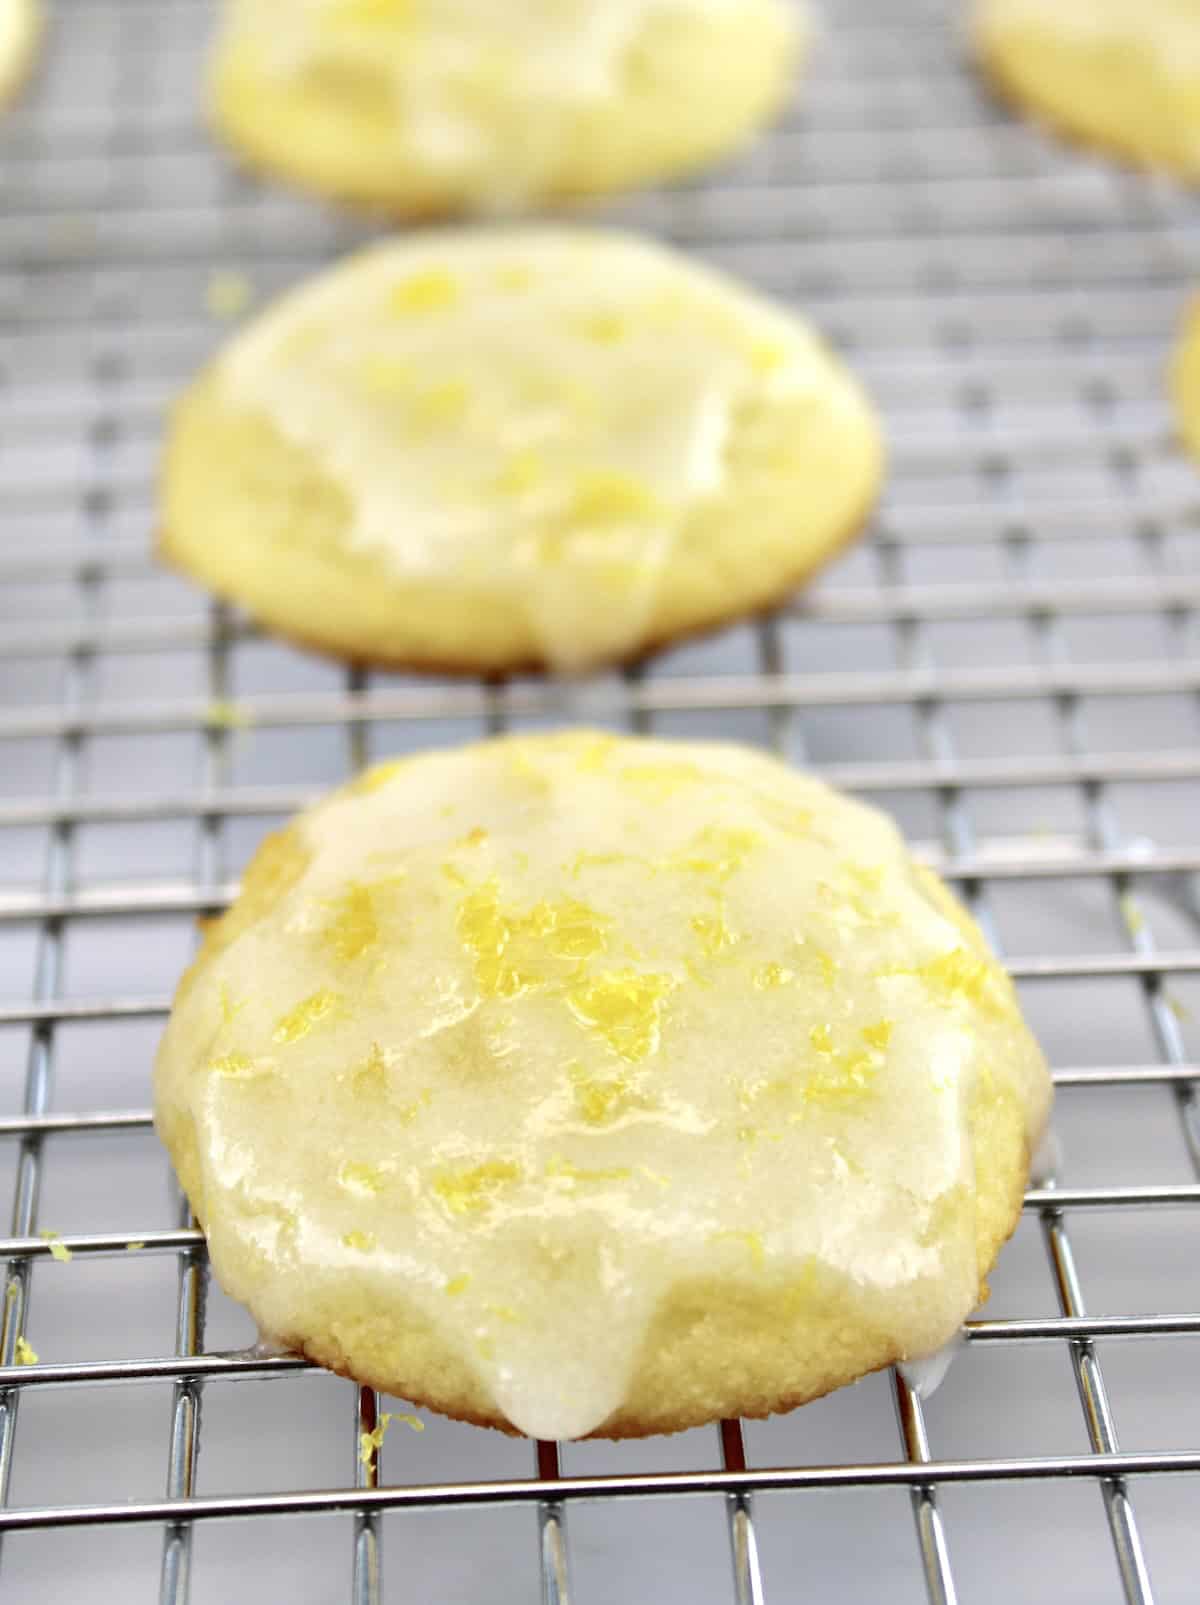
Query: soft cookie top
[[526, 1044], [489, 449], [429, 105], [1123, 74]]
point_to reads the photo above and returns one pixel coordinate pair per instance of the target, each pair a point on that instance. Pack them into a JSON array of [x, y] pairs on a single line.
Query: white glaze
[[539, 412], [445, 63], [926, 1373], [532, 1094]]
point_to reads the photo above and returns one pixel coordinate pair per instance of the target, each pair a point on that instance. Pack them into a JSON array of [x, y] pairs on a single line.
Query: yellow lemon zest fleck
[[387, 376], [472, 1189], [516, 951], [662, 780], [312, 1011], [513, 276], [816, 958], [370, 1077], [717, 850], [369, 1442], [558, 1167], [868, 876], [523, 471], [767, 356], [821, 1038], [599, 1100], [132, 1248], [352, 927], [625, 1008], [714, 933], [603, 496], [768, 976], [475, 837], [58, 1249], [433, 290], [363, 1242], [585, 860], [1177, 1007], [593, 748], [225, 715], [232, 1064], [504, 1312], [364, 1181], [959, 973], [878, 1035], [229, 1009], [783, 814], [26, 1353], [522, 767], [839, 1084], [368, 12], [749, 1240], [442, 405], [605, 328], [1131, 914], [456, 1285]]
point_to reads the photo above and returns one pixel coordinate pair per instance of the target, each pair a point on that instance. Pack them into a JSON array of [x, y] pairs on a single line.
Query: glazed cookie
[[489, 450], [1185, 381], [424, 108], [582, 1085], [20, 25], [1123, 75]]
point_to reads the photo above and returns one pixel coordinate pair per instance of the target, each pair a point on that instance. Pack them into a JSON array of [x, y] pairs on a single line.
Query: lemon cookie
[[422, 107], [1185, 381], [499, 449], [579, 1084], [20, 25], [1121, 74]]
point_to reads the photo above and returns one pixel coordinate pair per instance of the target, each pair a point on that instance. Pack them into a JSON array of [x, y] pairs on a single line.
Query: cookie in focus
[[581, 1084]]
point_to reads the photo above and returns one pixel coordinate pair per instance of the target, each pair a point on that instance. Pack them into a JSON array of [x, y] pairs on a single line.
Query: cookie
[[1185, 381], [422, 108], [1123, 75], [578, 1084], [499, 449], [20, 26]]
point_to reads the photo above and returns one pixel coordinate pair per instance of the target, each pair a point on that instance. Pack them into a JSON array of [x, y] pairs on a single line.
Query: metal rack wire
[[1010, 663]]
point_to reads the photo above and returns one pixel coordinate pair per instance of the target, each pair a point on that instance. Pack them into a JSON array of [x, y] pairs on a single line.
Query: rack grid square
[[1009, 663]]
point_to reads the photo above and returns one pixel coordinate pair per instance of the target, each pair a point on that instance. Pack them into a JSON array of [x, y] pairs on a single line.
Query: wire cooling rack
[[1009, 663]]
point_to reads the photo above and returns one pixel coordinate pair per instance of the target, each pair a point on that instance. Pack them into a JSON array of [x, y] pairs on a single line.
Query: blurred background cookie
[[1185, 380], [1123, 75], [490, 450], [20, 27], [421, 107]]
